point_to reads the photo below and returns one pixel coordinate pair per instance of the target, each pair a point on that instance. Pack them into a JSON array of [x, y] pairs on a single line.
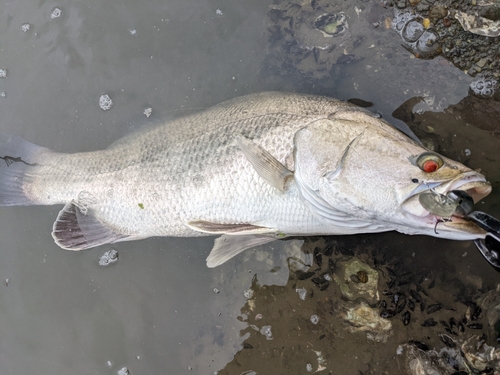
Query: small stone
[[3, 73], [314, 319], [491, 12], [401, 4], [124, 371], [302, 293], [105, 102], [2, 94], [266, 331], [6, 282], [219, 12], [132, 32], [421, 7], [438, 12], [482, 62], [109, 257], [248, 293], [216, 291], [148, 112], [25, 27], [309, 367], [56, 13], [388, 23], [467, 152]]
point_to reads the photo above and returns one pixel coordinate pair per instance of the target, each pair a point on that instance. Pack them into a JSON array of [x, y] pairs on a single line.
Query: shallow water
[[155, 311]]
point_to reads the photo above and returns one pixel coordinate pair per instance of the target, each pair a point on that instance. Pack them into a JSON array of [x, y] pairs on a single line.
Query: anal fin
[[74, 230], [227, 247]]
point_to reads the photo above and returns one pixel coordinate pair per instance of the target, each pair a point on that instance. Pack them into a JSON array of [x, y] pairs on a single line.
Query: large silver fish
[[254, 169]]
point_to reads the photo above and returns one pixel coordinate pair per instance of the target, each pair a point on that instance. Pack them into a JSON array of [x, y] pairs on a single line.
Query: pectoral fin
[[74, 230], [235, 229], [266, 165], [227, 247]]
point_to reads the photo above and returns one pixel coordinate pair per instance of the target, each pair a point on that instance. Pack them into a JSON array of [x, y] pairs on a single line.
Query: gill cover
[[320, 154]]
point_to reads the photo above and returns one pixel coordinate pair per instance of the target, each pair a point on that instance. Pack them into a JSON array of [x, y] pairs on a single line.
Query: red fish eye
[[430, 166], [429, 162]]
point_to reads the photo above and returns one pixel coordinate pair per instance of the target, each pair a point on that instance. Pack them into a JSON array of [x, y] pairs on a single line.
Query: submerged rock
[[308, 38], [362, 317], [419, 361], [357, 279], [479, 355]]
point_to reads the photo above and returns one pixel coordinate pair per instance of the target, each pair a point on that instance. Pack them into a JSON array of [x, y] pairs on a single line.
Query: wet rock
[[430, 362], [438, 11], [362, 317], [476, 24], [108, 258], [365, 287], [482, 62], [56, 13], [491, 12], [490, 303], [479, 355], [105, 102], [402, 4], [308, 38], [422, 7], [123, 371], [266, 331]]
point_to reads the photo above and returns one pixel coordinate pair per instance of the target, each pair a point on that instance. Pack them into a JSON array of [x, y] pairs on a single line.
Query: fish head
[[363, 175]]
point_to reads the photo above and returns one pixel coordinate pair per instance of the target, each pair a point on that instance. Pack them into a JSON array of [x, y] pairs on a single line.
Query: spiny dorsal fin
[[266, 165], [74, 230]]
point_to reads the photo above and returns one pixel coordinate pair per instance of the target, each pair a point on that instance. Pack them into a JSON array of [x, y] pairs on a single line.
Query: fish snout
[[472, 183]]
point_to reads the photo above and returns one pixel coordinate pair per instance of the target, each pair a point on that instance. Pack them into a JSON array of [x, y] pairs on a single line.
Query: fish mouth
[[473, 184]]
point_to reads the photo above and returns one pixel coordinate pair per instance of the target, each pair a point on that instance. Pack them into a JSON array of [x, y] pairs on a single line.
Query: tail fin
[[17, 158]]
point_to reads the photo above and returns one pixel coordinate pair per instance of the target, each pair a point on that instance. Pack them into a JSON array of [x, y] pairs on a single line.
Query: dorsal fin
[[74, 230]]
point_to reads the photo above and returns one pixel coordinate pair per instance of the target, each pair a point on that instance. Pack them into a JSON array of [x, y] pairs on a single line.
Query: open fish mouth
[[471, 183], [477, 190], [432, 205]]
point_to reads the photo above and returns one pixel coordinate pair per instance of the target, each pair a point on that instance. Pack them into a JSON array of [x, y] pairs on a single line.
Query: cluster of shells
[[416, 35]]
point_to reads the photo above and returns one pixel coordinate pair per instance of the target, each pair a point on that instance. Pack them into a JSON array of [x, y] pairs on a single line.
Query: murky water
[[159, 310]]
